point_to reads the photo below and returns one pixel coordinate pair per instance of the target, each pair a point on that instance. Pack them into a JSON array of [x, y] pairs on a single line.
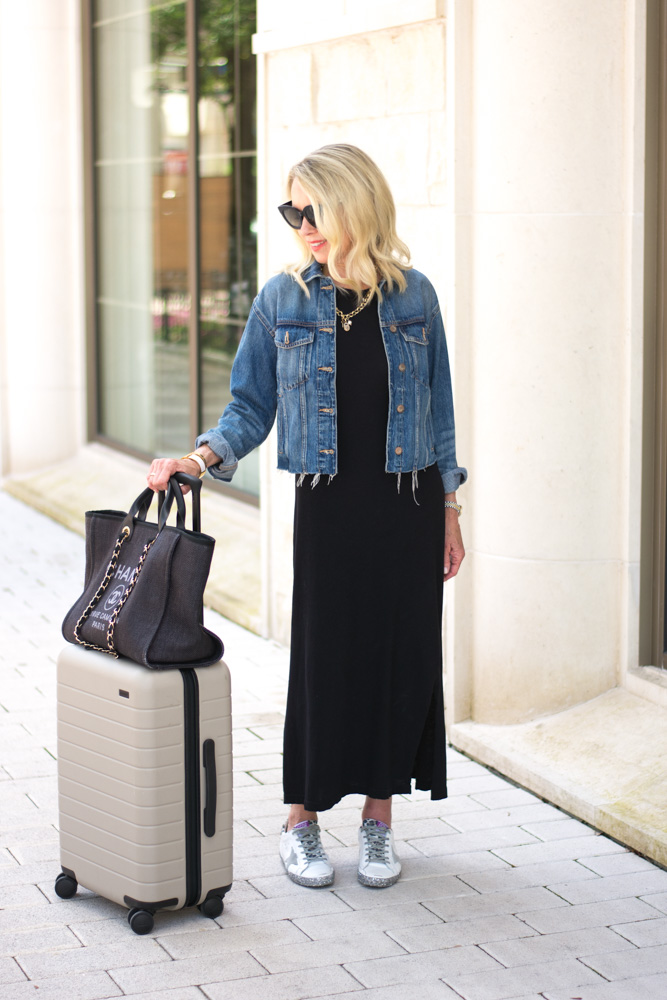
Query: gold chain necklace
[[346, 318]]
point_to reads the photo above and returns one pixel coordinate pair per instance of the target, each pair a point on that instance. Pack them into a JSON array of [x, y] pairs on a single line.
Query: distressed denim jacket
[[285, 366]]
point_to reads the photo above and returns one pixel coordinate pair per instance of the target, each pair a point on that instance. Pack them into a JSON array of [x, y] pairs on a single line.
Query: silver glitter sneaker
[[378, 864], [304, 857]]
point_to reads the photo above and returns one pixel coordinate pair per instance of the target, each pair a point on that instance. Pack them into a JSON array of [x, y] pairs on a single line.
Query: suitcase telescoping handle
[[211, 787]]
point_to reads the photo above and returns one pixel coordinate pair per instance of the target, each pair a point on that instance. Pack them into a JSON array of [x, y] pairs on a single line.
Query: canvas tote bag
[[144, 584]]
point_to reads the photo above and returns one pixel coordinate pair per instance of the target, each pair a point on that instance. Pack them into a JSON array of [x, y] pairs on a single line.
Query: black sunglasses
[[294, 216]]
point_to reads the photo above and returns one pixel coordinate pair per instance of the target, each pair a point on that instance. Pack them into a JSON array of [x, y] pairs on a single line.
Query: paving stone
[[333, 925], [242, 778], [28, 939], [551, 947], [307, 984], [476, 905], [259, 866], [644, 988], [428, 965], [337, 951], [464, 768], [418, 890], [624, 965], [258, 762], [617, 864], [404, 991], [44, 833], [7, 860], [485, 783], [258, 846], [187, 972], [520, 815], [644, 933], [559, 829], [268, 776], [249, 937], [139, 950], [243, 832], [612, 887], [605, 914], [506, 983], [476, 840], [28, 874], [268, 732], [414, 829], [10, 971], [187, 993], [241, 892], [261, 910], [656, 899], [26, 906], [507, 797], [45, 850], [408, 808], [506, 879], [243, 737], [258, 749], [87, 986], [558, 850], [460, 932], [452, 864]]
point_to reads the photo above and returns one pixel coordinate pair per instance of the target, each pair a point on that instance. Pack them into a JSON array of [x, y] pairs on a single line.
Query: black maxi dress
[[365, 707]]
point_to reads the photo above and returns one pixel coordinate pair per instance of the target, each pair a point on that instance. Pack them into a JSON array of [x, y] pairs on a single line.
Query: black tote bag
[[144, 584]]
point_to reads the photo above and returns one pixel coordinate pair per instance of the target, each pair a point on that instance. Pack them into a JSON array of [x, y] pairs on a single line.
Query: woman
[[347, 349]]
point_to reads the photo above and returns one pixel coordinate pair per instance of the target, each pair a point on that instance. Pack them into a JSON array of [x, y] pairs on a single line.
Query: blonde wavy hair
[[355, 212]]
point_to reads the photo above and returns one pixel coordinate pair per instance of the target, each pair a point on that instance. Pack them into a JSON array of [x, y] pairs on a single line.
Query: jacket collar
[[314, 270]]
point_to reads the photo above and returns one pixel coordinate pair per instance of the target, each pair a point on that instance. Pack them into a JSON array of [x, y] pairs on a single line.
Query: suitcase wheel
[[141, 921], [212, 907], [66, 886]]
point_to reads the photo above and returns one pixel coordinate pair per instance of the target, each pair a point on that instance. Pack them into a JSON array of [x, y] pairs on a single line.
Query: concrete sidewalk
[[502, 895]]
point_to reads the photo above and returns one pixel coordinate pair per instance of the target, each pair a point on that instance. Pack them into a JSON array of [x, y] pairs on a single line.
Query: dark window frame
[[653, 553]]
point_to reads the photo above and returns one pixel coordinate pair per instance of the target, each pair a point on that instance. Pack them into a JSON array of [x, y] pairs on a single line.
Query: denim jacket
[[286, 366]]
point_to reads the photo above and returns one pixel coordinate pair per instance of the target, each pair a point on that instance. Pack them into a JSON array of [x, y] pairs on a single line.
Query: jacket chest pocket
[[414, 338], [293, 349]]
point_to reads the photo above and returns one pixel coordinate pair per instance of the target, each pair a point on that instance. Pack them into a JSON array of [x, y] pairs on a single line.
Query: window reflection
[[141, 141]]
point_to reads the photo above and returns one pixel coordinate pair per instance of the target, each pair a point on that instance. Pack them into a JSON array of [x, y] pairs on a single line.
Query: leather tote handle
[[174, 492]]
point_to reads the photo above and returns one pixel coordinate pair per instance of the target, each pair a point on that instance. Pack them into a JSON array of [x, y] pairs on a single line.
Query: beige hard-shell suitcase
[[145, 784]]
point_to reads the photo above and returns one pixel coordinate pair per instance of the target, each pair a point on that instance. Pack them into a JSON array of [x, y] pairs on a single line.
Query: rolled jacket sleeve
[[442, 406], [248, 418]]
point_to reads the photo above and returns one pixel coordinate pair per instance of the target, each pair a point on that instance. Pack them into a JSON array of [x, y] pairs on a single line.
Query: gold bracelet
[[199, 459], [454, 506]]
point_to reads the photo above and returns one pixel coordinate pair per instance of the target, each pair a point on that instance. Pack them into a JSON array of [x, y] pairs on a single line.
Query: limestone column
[[41, 309], [542, 229]]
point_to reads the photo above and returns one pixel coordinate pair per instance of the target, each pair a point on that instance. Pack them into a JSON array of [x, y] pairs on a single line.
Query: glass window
[[162, 370]]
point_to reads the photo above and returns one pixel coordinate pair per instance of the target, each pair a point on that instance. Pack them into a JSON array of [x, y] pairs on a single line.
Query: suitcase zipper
[[192, 788]]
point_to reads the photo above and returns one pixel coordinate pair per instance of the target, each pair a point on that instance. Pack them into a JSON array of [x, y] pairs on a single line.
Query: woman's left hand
[[454, 550]]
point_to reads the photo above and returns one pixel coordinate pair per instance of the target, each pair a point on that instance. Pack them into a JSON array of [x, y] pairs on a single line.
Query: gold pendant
[[347, 324]]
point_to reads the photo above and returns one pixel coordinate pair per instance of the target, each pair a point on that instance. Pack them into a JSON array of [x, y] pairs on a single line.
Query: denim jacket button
[[401, 367], [399, 450], [392, 328], [400, 408]]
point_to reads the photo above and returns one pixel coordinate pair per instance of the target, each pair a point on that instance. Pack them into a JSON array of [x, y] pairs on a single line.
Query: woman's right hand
[[162, 469]]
